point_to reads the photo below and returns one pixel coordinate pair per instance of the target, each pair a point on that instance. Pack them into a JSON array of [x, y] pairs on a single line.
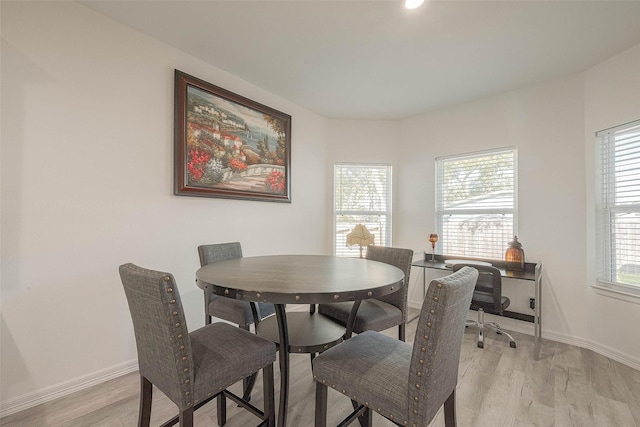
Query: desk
[[532, 272], [298, 279]]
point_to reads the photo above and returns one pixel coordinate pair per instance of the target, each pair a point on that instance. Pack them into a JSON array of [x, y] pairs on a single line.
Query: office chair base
[[481, 324]]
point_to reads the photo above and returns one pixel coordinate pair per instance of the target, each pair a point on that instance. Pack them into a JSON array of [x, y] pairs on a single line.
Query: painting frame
[[229, 146]]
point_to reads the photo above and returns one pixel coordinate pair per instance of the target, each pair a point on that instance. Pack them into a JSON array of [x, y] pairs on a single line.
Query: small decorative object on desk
[[514, 256], [360, 236], [433, 238]]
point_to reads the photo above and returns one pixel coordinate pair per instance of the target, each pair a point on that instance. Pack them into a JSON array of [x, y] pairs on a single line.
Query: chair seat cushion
[[375, 365], [223, 355], [485, 301], [373, 314], [237, 311]]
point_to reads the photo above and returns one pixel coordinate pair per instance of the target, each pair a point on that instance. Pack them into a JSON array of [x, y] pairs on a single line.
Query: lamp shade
[[360, 236]]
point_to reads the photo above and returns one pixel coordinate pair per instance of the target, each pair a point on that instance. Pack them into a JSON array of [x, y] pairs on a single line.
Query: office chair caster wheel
[[480, 344], [512, 344]]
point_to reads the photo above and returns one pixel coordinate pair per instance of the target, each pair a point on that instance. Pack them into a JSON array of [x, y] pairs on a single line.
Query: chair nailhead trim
[[166, 278], [418, 386], [416, 398], [428, 324], [175, 313], [169, 290], [432, 311], [172, 301], [179, 336], [435, 298], [426, 337], [177, 325]]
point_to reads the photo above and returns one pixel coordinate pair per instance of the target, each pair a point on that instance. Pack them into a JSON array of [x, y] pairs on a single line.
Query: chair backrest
[[489, 283], [162, 337], [433, 373], [219, 252], [400, 258]]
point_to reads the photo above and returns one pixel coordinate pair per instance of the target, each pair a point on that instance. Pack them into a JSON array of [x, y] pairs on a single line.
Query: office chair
[[487, 297], [190, 368], [378, 314], [404, 383]]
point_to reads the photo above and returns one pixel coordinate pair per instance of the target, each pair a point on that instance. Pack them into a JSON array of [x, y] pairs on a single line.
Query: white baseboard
[[48, 394], [527, 328]]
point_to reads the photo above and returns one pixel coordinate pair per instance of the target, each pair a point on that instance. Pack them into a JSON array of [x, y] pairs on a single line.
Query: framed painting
[[229, 146]]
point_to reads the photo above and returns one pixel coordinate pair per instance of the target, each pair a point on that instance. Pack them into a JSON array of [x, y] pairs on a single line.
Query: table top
[[300, 279]]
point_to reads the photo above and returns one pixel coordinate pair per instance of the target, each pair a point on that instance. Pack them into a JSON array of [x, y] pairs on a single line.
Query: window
[[476, 203], [618, 207], [362, 196]]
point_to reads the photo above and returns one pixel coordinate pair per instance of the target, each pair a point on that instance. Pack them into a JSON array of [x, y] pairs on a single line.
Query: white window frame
[[445, 244], [611, 256], [383, 232]]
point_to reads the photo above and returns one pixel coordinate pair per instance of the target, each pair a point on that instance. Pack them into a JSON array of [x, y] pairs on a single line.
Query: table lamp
[[360, 236], [514, 257]]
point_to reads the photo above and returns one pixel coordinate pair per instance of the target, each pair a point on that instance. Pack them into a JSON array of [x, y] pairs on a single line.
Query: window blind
[[618, 208], [362, 195], [476, 203]]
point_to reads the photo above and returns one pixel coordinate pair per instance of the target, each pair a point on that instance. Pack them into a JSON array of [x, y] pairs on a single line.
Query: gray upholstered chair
[[384, 312], [405, 383], [487, 297], [232, 310], [244, 313], [190, 368]]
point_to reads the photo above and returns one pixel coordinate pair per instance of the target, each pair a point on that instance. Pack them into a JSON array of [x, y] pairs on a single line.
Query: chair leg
[[247, 386], [450, 410], [186, 418], [146, 394], [222, 409], [401, 331], [268, 393], [366, 419], [321, 405]]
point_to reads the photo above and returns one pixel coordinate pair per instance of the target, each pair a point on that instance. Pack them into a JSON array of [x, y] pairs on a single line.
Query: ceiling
[[370, 59]]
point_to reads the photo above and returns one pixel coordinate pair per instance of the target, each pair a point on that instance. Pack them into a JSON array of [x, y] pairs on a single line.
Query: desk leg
[[284, 364], [537, 325], [424, 291]]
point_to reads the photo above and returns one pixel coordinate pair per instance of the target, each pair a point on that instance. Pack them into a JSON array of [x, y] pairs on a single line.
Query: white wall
[[87, 175], [612, 98]]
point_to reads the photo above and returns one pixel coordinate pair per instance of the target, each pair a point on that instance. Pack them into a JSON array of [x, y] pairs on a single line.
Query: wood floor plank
[[497, 386]]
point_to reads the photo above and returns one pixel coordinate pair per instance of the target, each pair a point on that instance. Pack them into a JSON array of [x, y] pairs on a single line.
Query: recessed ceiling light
[[412, 4]]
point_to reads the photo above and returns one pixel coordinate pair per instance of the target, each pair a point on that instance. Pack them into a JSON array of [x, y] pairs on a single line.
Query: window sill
[[618, 292]]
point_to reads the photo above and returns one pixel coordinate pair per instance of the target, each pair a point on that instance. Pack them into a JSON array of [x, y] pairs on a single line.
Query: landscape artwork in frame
[[229, 146]]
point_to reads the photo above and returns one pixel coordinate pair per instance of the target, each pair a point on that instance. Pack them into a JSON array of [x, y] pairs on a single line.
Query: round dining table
[[298, 279]]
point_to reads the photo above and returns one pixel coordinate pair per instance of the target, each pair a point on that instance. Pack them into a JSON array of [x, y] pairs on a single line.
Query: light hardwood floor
[[497, 386]]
